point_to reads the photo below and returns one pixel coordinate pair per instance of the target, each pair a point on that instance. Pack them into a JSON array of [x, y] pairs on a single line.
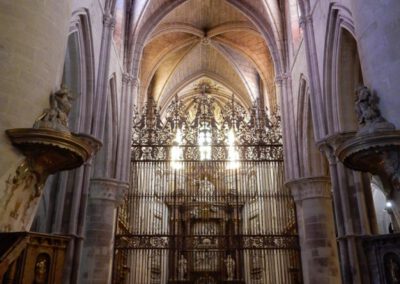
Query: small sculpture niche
[[42, 268]]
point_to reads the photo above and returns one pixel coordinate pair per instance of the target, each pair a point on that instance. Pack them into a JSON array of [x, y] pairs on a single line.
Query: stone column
[[33, 36], [105, 196], [316, 97], [284, 93], [377, 26], [319, 255], [103, 75], [130, 87]]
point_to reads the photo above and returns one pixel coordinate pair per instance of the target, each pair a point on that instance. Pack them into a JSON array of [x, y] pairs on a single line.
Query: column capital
[[128, 78], [282, 77], [304, 20], [109, 21], [310, 188], [108, 189]]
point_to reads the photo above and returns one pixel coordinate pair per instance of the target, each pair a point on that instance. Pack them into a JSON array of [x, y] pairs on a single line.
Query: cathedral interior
[[199, 141]]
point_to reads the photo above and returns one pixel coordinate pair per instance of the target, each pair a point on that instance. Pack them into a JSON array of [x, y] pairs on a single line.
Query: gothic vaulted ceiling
[[228, 43]]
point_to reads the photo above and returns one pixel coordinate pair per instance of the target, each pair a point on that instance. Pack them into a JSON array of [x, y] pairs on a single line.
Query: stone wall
[[33, 39]]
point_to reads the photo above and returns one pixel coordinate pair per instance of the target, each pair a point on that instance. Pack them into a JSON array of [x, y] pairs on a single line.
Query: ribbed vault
[[216, 40]]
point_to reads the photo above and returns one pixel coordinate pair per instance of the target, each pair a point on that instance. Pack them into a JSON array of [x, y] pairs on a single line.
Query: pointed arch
[[311, 161], [342, 70]]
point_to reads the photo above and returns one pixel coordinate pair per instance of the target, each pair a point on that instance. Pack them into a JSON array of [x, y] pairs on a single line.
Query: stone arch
[[80, 46], [106, 158], [342, 71], [311, 161]]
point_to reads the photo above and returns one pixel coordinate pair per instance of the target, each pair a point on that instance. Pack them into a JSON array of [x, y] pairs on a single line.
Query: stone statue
[[206, 188], [182, 267], [230, 267], [369, 115], [392, 268], [394, 271], [56, 117]]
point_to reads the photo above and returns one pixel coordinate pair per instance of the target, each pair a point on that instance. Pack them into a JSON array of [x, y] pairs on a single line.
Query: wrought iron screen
[[190, 218]]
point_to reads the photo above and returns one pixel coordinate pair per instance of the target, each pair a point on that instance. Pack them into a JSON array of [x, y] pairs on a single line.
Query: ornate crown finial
[[369, 115], [56, 117]]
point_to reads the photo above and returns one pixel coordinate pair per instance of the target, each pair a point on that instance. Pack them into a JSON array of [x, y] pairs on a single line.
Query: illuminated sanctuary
[[199, 141]]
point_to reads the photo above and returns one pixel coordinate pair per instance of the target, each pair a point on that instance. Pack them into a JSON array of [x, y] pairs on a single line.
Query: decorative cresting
[[152, 136], [49, 147], [375, 148]]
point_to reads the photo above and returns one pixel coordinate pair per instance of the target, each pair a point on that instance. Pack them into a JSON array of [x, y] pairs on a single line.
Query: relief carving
[[25, 182]]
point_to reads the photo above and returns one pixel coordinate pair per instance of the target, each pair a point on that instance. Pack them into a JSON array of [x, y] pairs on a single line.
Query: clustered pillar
[[105, 196], [316, 226]]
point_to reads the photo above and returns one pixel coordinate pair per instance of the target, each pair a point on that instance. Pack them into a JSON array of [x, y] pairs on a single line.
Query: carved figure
[[206, 188], [182, 267], [369, 115], [230, 267], [392, 268], [394, 271], [56, 117], [41, 271]]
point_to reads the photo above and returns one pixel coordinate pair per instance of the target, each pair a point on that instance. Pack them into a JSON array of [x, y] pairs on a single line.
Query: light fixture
[[389, 204]]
